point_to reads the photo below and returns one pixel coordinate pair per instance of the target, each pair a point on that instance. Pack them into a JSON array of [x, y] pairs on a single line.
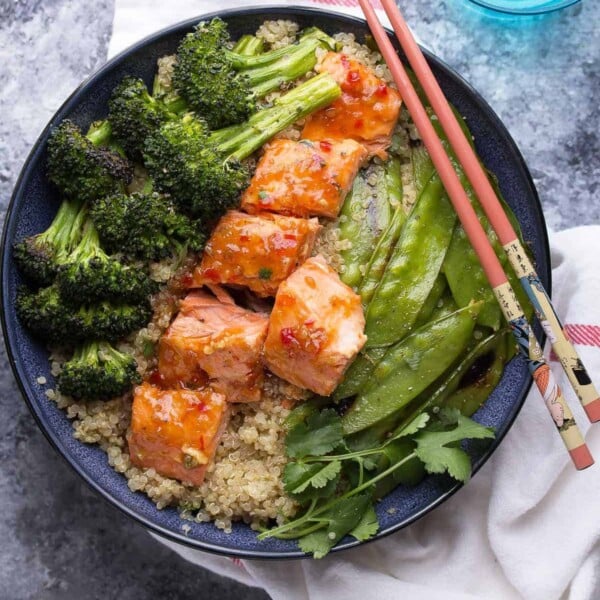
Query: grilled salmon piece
[[216, 341], [176, 431], [304, 178], [315, 329], [367, 110], [255, 251]]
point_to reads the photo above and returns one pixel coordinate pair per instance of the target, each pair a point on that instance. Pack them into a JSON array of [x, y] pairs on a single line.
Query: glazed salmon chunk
[[315, 329], [304, 178], [176, 431], [367, 110], [255, 251], [216, 341]]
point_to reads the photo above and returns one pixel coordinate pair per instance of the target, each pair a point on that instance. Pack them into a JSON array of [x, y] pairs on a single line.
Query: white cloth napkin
[[527, 525]]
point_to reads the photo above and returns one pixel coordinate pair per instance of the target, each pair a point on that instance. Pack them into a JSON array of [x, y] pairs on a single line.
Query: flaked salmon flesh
[[255, 251], [315, 329], [217, 342], [367, 110], [306, 178], [176, 431]]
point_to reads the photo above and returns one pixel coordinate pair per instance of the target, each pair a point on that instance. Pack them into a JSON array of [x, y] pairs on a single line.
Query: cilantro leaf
[[367, 527], [316, 543], [298, 476], [434, 451], [321, 433], [415, 425], [343, 516]]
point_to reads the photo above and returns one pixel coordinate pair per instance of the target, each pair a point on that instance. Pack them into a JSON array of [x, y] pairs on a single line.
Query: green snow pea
[[435, 307], [366, 214], [445, 386], [470, 396], [413, 268], [409, 367]]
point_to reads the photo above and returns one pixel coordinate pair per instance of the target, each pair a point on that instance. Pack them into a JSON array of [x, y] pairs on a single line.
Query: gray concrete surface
[[57, 539]]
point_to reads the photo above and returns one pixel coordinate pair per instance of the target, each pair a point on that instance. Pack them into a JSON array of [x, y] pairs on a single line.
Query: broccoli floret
[[98, 371], [48, 316], [85, 167], [146, 226], [44, 313], [203, 171], [222, 86], [89, 274], [134, 114], [38, 256]]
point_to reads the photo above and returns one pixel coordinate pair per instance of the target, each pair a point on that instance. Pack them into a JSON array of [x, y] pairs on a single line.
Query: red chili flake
[[187, 280], [382, 90], [244, 237], [289, 236], [358, 124], [309, 322], [155, 378], [353, 76], [325, 145], [345, 62], [288, 337], [211, 273]]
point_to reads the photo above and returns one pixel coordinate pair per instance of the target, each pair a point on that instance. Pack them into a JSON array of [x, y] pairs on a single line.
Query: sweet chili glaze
[[216, 341], [176, 431], [315, 329], [304, 178], [255, 251], [367, 111]]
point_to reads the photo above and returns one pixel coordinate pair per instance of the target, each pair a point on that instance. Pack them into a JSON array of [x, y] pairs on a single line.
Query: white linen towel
[[527, 525]]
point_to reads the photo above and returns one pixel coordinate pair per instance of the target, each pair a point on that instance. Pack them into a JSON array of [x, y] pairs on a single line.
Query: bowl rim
[[8, 226]]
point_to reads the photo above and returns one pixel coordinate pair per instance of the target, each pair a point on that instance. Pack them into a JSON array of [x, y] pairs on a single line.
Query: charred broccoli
[[134, 114], [38, 256], [145, 225], [222, 86], [47, 315], [203, 171], [98, 371], [89, 274], [85, 167]]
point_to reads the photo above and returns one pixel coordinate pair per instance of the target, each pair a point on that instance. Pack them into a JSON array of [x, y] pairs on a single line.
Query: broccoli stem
[[100, 133], [89, 245], [242, 140], [264, 77], [249, 45]]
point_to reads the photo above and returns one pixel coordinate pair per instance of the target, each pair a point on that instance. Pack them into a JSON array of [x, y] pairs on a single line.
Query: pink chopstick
[[527, 343], [519, 259]]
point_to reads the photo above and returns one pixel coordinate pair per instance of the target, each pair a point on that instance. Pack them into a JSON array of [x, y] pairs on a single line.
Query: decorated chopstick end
[[581, 457], [592, 410]]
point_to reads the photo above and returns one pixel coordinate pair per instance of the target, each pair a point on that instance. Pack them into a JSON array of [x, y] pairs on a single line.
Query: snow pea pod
[[463, 271], [413, 267], [470, 398], [364, 364], [409, 367], [448, 384], [366, 213]]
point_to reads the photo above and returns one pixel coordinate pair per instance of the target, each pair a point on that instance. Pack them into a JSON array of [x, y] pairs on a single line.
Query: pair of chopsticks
[[527, 343]]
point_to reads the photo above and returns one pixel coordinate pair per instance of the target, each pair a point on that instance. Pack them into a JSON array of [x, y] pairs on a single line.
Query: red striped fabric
[[584, 335], [346, 3]]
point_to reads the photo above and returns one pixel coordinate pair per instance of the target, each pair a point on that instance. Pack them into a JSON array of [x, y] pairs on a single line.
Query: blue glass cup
[[525, 7]]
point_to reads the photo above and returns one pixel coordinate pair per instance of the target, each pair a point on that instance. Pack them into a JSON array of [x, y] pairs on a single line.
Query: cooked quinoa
[[244, 482]]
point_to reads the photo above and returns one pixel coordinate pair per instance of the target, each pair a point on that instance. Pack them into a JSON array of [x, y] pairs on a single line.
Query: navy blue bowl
[[34, 203]]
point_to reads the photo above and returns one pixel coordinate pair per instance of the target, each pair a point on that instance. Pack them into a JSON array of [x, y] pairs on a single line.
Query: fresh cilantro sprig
[[337, 491]]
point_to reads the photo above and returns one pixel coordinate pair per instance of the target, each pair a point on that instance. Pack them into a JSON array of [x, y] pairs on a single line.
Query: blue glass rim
[[545, 8]]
